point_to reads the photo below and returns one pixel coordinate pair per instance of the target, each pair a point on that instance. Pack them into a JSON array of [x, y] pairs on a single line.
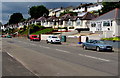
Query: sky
[[8, 7]]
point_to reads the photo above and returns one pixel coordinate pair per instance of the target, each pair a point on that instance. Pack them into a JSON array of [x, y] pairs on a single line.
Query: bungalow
[[76, 22], [108, 23], [41, 21]]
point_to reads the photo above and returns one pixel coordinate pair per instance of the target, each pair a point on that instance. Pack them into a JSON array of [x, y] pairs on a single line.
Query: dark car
[[98, 45], [8, 36]]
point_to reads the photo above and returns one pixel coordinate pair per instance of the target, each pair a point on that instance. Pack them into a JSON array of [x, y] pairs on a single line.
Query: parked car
[[8, 36], [98, 45], [34, 38], [3, 36], [53, 39]]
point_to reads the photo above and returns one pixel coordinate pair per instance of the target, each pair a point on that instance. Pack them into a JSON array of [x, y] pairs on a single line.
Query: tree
[[38, 11], [15, 18], [108, 6]]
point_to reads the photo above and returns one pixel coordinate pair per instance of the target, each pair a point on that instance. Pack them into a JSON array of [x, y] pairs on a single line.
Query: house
[[55, 12], [41, 21], [88, 7], [76, 22], [108, 23]]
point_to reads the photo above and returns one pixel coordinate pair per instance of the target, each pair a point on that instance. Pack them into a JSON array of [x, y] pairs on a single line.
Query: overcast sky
[[11, 6]]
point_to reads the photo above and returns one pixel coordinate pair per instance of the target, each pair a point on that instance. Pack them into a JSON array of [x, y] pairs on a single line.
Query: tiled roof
[[88, 16], [41, 19], [113, 14], [52, 18]]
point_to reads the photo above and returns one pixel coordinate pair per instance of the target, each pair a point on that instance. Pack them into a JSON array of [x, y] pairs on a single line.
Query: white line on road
[[46, 47], [94, 57], [9, 54], [62, 51], [32, 44]]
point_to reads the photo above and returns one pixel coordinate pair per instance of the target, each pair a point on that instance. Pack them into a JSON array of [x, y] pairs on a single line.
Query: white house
[[108, 23], [88, 7]]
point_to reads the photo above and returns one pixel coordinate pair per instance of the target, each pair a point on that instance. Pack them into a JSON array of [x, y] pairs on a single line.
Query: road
[[43, 59]]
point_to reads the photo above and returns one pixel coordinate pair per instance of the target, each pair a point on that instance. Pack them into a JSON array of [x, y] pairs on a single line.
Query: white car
[[53, 39]]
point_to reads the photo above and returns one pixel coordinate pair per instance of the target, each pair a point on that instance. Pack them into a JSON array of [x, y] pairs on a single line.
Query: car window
[[34, 36], [100, 42], [54, 37], [90, 41]]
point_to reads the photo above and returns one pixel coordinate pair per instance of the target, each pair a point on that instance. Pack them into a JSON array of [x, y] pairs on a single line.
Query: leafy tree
[[38, 11], [108, 6], [15, 18]]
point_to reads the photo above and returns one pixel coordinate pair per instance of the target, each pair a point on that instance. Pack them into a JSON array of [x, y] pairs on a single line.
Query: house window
[[69, 23], [51, 23], [93, 24], [78, 22], [106, 23]]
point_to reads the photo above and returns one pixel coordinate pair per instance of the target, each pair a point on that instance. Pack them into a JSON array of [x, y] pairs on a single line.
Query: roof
[[52, 18], [65, 17], [113, 14], [88, 16], [41, 19]]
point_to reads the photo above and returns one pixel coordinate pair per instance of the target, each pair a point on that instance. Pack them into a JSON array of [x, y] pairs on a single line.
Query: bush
[[112, 38], [71, 27]]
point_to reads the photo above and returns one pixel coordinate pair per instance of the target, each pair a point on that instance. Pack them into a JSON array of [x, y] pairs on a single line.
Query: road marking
[[94, 57], [32, 44], [46, 47], [10, 55], [62, 51]]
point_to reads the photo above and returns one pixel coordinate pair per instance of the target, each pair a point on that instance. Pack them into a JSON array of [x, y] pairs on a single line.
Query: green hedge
[[44, 31], [112, 38]]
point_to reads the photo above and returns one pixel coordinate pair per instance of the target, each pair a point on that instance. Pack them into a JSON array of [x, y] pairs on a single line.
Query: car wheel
[[97, 49], [84, 47], [51, 42], [47, 41]]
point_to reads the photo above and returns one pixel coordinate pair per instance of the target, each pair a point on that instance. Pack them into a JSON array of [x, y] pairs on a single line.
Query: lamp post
[[28, 22]]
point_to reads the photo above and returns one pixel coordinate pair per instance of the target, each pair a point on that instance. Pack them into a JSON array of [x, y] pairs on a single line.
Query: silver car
[[98, 45]]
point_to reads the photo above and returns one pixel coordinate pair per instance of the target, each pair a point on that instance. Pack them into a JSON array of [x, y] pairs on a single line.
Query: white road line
[[46, 47], [62, 51], [32, 44], [94, 57], [10, 55]]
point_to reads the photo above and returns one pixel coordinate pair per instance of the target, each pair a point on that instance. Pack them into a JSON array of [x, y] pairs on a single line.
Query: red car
[[34, 38]]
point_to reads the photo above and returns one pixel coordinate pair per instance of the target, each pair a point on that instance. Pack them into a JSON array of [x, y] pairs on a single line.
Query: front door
[[99, 26]]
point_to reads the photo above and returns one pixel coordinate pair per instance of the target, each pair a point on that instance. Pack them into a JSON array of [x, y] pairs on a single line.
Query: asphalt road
[[60, 60]]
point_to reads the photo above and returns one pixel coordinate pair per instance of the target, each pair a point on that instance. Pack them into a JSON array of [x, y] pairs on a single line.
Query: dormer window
[[78, 22]]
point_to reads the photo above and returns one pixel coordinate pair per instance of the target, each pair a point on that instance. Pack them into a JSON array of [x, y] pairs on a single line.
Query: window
[[78, 22], [93, 24], [51, 23], [69, 23], [106, 23]]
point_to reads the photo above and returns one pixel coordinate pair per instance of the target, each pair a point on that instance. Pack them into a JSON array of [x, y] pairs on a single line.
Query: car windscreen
[[54, 37], [34, 36], [101, 42]]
